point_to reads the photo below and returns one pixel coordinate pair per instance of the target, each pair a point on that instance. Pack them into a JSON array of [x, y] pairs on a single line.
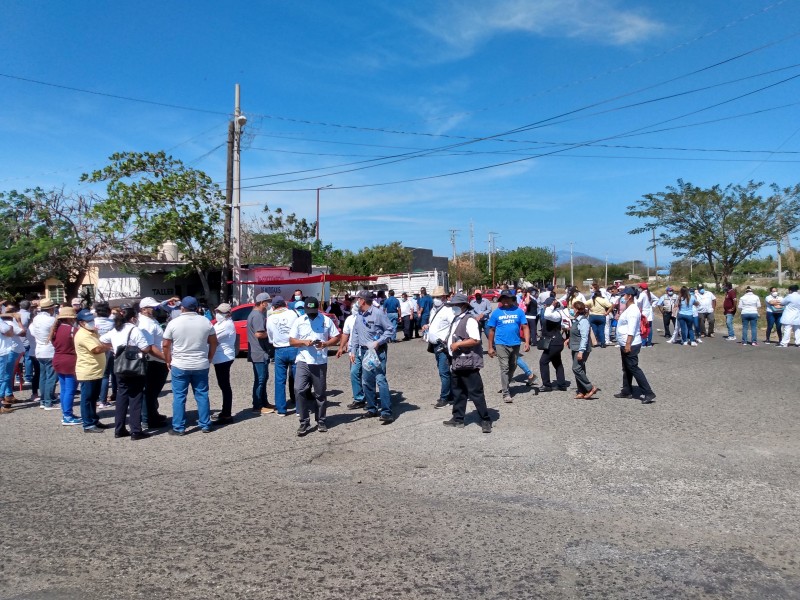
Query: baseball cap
[[189, 303], [458, 299], [149, 302], [549, 300], [643, 285], [669, 288], [367, 295], [85, 315], [629, 289], [224, 308], [75, 301], [278, 301], [507, 294], [700, 286], [263, 297], [312, 304]]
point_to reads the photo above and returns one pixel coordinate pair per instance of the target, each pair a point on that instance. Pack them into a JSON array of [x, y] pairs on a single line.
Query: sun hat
[[438, 291], [66, 313]]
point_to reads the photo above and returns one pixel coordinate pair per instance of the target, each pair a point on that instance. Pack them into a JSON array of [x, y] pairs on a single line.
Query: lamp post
[[317, 223]]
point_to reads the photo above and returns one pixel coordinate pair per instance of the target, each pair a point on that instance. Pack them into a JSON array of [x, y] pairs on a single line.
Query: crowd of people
[[123, 357]]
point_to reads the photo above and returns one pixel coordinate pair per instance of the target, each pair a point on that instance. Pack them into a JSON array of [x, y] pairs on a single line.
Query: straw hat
[[66, 313], [438, 291]]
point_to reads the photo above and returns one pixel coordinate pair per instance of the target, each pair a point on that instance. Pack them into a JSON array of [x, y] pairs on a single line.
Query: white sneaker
[[52, 407], [669, 341], [694, 343]]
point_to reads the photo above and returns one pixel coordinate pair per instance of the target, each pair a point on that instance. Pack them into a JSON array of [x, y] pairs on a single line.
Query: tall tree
[[724, 226], [270, 237], [525, 263], [153, 198], [51, 234]]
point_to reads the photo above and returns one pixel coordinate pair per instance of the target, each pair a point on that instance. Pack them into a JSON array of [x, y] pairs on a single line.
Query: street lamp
[[317, 223]]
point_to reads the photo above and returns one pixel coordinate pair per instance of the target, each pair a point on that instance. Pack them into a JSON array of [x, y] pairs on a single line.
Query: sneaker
[[303, 430], [368, 414], [386, 419], [453, 423], [206, 429], [51, 407], [140, 435], [440, 404], [692, 344], [507, 398], [92, 430], [486, 426], [669, 341], [322, 428], [687, 343], [754, 344], [103, 405], [648, 398], [356, 404], [623, 395], [710, 335], [699, 341], [267, 410], [71, 421], [730, 338], [177, 432], [35, 398], [221, 419]]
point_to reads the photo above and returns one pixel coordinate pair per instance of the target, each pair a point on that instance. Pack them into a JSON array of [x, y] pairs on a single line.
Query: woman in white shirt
[[749, 304], [130, 390], [223, 360], [630, 343], [645, 303]]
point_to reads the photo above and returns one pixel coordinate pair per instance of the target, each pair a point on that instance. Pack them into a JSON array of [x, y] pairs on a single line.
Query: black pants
[[130, 392], [532, 328], [156, 378], [552, 355], [631, 371], [310, 385], [579, 369], [407, 328], [223, 373], [668, 320], [467, 384]]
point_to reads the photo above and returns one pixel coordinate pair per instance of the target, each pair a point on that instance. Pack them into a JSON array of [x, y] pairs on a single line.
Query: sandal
[[590, 394], [579, 396]]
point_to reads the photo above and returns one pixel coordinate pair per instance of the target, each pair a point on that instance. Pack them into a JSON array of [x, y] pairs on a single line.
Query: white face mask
[[669, 293], [437, 302], [456, 310], [220, 316], [774, 294]]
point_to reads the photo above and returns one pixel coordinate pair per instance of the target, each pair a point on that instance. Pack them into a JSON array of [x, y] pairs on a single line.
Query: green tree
[[153, 198], [525, 263], [270, 238], [50, 234], [724, 226]]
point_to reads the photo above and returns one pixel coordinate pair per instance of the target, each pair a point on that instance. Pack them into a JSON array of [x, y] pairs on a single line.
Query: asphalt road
[[694, 496]]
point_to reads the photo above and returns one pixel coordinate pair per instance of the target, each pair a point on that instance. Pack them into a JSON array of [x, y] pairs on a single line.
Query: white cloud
[[463, 26]]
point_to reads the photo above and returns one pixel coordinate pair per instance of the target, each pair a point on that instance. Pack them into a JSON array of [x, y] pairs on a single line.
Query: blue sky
[[328, 86]]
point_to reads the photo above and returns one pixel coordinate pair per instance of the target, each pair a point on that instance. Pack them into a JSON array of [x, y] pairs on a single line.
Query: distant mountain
[[578, 258]]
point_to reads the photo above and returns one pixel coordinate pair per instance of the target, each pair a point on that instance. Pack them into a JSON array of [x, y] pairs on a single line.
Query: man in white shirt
[[630, 343], [41, 326], [189, 345], [156, 367], [407, 307], [705, 310], [313, 334], [279, 324], [435, 332]]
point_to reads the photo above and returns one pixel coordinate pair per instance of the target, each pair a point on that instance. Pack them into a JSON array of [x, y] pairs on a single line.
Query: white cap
[[76, 301], [149, 303]]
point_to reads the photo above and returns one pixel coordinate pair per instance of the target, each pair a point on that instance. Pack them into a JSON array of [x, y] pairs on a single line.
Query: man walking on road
[[504, 339], [189, 345], [424, 308], [392, 308], [481, 310], [313, 334], [258, 353]]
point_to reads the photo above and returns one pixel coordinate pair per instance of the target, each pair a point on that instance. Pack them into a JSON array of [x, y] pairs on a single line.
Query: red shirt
[[65, 357]]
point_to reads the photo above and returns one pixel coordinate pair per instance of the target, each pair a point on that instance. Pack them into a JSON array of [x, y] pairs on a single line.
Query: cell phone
[[318, 344]]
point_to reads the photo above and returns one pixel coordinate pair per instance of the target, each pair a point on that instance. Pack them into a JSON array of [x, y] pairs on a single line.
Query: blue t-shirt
[[426, 304], [390, 305], [686, 309], [506, 325]]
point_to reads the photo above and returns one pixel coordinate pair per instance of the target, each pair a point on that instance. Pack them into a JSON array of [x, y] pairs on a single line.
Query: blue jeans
[[443, 365], [355, 379], [524, 367], [90, 393], [598, 324], [260, 378], [370, 379], [774, 320], [108, 377], [6, 376], [393, 321], [284, 365], [67, 384], [181, 379], [47, 381], [750, 321], [28, 365], [687, 327], [729, 323], [697, 331]]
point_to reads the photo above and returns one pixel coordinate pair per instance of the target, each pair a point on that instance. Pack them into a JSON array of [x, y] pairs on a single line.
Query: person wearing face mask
[[90, 367], [481, 309], [297, 296], [392, 308], [435, 333], [372, 331], [630, 343], [504, 326], [707, 304], [156, 376], [223, 360], [729, 310], [774, 310], [580, 347], [553, 317], [666, 304], [749, 304], [312, 334], [279, 324], [790, 318]]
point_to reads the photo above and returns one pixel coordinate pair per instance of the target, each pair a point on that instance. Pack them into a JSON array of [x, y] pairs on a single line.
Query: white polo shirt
[[279, 324], [441, 318], [706, 300], [152, 332], [629, 324], [40, 329], [321, 328]]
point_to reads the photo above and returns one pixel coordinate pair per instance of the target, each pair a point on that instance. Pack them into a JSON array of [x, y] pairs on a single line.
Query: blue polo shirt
[[391, 305], [506, 323], [426, 304]]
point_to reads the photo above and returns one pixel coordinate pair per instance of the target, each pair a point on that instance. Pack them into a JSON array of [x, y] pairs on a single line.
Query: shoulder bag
[[129, 361]]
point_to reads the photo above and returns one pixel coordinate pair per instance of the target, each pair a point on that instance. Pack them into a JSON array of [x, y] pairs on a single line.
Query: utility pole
[[655, 255], [492, 260], [633, 267], [606, 284], [317, 223], [224, 292], [236, 201], [571, 267], [455, 258], [472, 242], [554, 266]]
